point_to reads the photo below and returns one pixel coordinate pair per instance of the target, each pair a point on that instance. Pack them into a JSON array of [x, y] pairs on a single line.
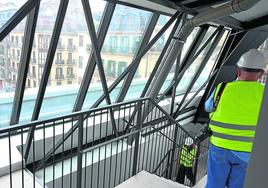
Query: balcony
[[118, 50], [60, 62], [14, 44], [89, 47], [60, 47], [71, 47], [33, 60], [2, 63], [59, 76], [33, 75], [70, 61], [70, 76], [13, 69]]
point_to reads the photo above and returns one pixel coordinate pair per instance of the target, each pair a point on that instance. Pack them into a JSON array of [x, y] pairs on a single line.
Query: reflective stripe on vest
[[233, 126], [186, 157], [234, 121]]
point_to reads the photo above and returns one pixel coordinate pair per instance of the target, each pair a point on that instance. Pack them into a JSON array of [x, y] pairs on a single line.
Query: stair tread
[[145, 179]]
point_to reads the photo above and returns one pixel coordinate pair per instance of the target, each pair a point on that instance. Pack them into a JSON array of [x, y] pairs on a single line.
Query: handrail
[[94, 136], [38, 122]]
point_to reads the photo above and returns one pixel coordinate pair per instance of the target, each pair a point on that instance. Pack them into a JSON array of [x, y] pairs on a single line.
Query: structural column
[[257, 169]]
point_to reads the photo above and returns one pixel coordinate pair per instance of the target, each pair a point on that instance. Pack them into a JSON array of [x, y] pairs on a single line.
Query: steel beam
[[139, 55], [102, 31], [256, 23], [160, 58], [198, 91], [188, 56], [24, 64], [17, 17], [180, 75], [97, 55], [145, 39], [49, 60], [257, 168], [200, 69], [70, 132], [226, 49], [178, 63]]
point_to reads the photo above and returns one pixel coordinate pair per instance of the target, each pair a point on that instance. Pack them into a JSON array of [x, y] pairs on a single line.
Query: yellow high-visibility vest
[[186, 157], [234, 121]]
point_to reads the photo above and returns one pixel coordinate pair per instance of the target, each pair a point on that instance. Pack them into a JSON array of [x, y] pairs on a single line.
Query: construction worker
[[234, 108], [187, 156]]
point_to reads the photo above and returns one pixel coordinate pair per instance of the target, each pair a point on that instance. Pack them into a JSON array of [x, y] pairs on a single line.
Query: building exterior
[[6, 11]]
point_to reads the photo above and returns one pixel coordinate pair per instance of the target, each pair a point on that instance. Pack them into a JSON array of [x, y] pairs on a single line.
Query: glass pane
[[149, 60], [190, 72], [45, 24], [8, 9], [94, 92], [210, 64], [123, 39], [264, 49], [70, 59], [121, 43], [185, 48], [189, 41], [10, 54]]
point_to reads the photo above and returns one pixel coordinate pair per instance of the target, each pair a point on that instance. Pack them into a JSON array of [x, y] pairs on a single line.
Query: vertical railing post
[[79, 154], [173, 150], [196, 162], [137, 138], [168, 164]]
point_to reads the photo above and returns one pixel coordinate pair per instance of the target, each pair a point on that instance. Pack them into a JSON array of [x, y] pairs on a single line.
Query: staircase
[[147, 180]]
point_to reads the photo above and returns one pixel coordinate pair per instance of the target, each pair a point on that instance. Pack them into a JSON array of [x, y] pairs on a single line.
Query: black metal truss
[[230, 43], [17, 17], [198, 91], [200, 69], [189, 55], [256, 23], [145, 39], [69, 133], [102, 31], [181, 73], [24, 64], [159, 60], [49, 60], [202, 3], [97, 55], [161, 57], [31, 8], [238, 43], [85, 84], [177, 66], [139, 55]]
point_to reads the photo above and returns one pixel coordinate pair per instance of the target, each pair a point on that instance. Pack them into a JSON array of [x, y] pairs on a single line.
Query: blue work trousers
[[225, 169]]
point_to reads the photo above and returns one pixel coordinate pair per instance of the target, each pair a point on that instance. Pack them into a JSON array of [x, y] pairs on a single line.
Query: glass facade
[[71, 58]]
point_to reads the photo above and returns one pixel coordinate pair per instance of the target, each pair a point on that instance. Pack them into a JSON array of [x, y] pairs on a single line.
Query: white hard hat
[[188, 141], [253, 59]]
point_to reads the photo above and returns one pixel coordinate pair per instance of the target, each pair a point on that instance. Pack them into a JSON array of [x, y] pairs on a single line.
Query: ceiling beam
[[203, 3], [256, 23]]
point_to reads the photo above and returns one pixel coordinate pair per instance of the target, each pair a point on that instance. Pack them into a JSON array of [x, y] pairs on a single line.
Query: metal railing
[[93, 155]]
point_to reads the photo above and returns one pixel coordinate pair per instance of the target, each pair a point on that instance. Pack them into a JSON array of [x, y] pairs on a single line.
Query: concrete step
[[201, 183], [147, 180]]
